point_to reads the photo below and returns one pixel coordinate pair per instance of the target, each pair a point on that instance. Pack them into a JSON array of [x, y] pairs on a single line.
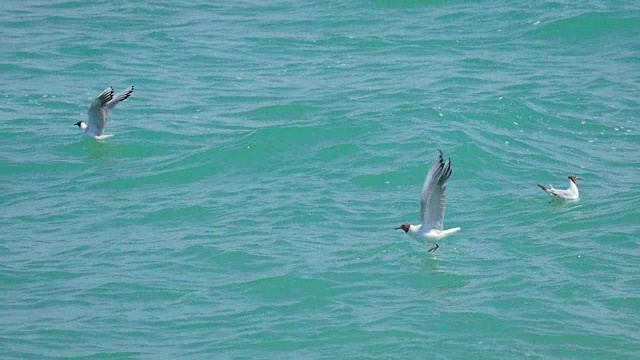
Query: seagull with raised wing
[[99, 112], [571, 193], [432, 206]]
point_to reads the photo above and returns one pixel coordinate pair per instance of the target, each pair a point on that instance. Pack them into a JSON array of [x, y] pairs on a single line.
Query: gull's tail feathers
[[103, 137], [451, 231], [545, 188]]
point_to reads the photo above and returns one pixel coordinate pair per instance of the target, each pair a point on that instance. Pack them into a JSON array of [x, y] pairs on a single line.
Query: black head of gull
[[574, 178]]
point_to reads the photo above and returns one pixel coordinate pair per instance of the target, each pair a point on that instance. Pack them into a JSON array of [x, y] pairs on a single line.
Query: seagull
[[432, 206], [570, 194], [99, 111]]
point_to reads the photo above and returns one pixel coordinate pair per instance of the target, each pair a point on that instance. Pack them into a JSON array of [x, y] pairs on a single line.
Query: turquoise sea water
[[245, 206]]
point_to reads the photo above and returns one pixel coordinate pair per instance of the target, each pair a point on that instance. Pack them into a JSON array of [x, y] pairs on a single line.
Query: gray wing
[[120, 97], [98, 113], [433, 196], [560, 193], [553, 192]]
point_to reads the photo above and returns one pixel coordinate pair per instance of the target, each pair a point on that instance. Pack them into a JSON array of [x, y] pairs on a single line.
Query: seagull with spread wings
[[99, 112], [432, 206]]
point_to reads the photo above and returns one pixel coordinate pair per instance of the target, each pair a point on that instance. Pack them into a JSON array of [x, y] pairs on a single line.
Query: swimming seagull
[[571, 193], [99, 111], [432, 206]]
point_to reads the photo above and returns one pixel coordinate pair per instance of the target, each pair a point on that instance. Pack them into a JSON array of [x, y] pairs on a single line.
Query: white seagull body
[[99, 112], [571, 193], [432, 206]]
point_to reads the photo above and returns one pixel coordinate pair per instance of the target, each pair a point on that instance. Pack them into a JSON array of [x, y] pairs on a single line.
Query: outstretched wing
[[97, 112], [120, 97], [433, 196]]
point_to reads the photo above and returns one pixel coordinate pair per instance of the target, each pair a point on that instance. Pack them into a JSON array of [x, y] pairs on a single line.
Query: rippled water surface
[[245, 206]]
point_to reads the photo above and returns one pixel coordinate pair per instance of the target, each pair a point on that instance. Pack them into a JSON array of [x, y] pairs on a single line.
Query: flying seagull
[[99, 112], [432, 206], [571, 193]]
